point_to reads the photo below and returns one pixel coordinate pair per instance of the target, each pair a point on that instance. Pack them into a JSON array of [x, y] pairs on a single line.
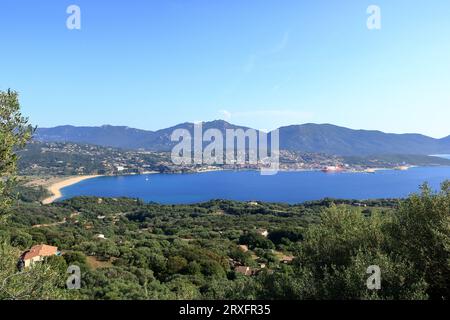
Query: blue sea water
[[445, 156], [289, 187]]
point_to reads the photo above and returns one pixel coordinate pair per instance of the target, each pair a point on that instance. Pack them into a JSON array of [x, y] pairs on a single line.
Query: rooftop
[[41, 250]]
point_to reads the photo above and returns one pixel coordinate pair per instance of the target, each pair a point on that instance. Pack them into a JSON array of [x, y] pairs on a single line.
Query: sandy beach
[[55, 188]]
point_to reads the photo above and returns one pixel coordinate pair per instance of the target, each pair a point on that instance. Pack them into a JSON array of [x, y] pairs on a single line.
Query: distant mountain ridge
[[327, 138], [318, 138]]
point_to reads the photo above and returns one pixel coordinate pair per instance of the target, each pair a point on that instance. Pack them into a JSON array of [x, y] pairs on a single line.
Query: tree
[[42, 281], [254, 240], [75, 257], [421, 233], [399, 279], [176, 264], [107, 249], [341, 233], [183, 288], [14, 133], [287, 285], [21, 239], [338, 251], [285, 235]]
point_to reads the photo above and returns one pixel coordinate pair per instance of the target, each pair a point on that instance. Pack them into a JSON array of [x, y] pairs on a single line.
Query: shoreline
[[55, 188], [55, 184]]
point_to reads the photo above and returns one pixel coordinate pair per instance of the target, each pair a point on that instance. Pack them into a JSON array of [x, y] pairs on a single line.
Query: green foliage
[[284, 236], [410, 245], [75, 258], [20, 239], [176, 264], [341, 233], [106, 249], [31, 194], [254, 240], [157, 251], [421, 232], [14, 133], [43, 281], [288, 284]]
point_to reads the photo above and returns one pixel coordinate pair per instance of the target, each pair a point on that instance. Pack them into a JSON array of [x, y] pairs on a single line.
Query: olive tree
[[15, 131]]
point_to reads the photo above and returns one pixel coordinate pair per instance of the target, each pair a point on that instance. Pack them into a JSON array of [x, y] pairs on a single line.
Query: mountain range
[[317, 138]]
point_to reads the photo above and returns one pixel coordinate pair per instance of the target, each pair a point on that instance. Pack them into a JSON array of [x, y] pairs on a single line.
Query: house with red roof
[[38, 253]]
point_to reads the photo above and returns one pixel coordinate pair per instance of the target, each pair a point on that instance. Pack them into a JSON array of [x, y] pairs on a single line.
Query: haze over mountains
[[317, 138]]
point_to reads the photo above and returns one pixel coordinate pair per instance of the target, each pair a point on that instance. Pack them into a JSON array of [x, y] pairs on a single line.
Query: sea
[[286, 186]]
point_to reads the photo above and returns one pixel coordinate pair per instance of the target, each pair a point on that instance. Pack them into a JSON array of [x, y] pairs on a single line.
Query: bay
[[289, 187]]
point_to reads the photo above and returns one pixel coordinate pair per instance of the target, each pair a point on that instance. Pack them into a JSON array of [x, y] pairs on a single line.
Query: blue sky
[[262, 63]]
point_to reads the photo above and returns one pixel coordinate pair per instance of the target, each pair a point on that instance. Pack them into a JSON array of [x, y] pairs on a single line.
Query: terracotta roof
[[41, 250]]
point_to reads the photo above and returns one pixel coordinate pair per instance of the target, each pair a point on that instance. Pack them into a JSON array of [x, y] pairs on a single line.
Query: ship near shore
[[332, 169]]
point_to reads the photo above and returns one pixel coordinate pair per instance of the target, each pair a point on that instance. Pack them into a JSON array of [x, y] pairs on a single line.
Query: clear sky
[[151, 64]]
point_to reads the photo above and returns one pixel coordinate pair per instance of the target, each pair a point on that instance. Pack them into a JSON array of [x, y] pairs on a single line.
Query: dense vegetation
[[43, 281], [14, 132], [152, 251]]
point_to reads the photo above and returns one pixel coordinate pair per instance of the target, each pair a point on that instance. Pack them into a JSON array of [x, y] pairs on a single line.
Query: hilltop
[[316, 138]]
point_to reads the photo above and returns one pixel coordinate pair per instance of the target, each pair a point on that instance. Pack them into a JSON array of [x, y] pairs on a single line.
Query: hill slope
[[319, 138], [332, 139]]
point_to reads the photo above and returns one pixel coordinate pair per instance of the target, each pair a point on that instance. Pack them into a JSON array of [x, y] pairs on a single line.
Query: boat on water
[[332, 169]]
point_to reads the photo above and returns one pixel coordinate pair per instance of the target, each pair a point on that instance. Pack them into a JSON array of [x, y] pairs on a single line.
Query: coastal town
[[68, 159], [53, 166]]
